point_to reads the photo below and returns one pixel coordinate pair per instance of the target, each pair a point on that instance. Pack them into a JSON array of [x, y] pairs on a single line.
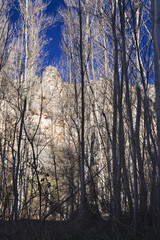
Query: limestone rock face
[[52, 89], [51, 108], [45, 112], [48, 94]]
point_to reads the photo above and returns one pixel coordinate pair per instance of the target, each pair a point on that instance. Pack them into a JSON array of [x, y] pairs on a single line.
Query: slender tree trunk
[[156, 41], [38, 180], [143, 191], [15, 176], [82, 158], [56, 177], [116, 200], [122, 146], [26, 50], [129, 111]]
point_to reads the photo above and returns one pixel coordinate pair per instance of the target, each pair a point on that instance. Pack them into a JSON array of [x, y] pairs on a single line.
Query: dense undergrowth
[[87, 228]]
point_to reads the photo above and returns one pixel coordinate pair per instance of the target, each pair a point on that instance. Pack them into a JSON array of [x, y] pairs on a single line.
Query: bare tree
[[156, 41]]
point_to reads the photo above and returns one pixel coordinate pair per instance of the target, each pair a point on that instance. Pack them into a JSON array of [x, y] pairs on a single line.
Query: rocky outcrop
[[51, 108], [45, 112], [48, 94]]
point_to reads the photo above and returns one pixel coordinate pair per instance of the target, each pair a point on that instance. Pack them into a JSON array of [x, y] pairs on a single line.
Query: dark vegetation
[[88, 228]]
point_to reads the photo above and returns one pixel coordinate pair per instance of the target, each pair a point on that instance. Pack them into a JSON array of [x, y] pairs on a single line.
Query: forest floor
[[75, 229]]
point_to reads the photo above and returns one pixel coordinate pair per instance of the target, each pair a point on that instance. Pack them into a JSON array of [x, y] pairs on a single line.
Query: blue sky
[[54, 33], [53, 49]]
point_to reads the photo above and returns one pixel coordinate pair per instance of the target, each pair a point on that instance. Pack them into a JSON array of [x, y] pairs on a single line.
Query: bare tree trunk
[[156, 41], [116, 200], [16, 171], [122, 146], [56, 177], [129, 111], [143, 191], [26, 50], [82, 158]]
